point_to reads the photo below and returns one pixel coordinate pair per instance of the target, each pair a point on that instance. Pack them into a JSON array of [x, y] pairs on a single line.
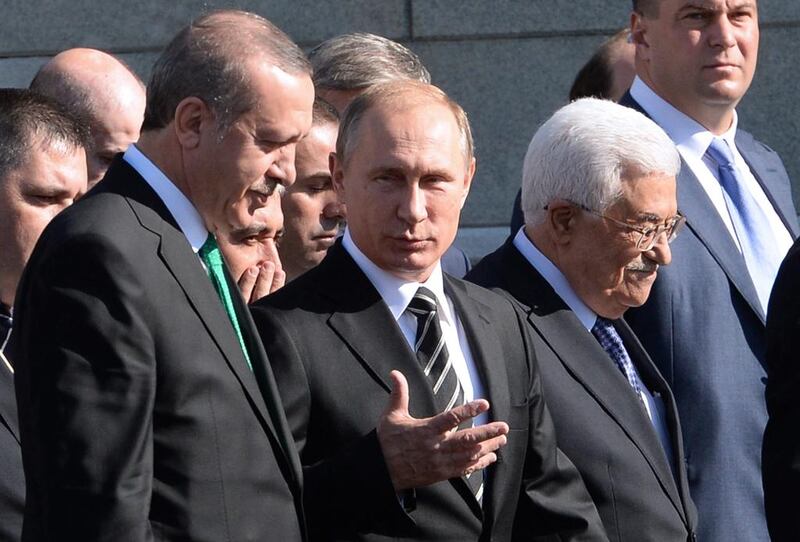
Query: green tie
[[211, 256]]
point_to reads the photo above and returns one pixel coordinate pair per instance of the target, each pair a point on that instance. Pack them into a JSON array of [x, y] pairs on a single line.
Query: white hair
[[582, 152]]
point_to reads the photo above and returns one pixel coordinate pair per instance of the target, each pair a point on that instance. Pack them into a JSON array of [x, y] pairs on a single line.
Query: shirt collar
[[688, 135], [555, 278], [396, 292], [179, 206]]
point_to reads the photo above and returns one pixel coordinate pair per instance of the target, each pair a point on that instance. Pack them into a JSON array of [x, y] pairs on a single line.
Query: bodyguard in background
[[147, 407], [704, 323], [42, 171], [598, 189]]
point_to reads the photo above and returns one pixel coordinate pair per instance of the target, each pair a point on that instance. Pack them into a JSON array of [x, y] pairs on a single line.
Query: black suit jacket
[[12, 480], [333, 342], [781, 454], [140, 419], [601, 425]]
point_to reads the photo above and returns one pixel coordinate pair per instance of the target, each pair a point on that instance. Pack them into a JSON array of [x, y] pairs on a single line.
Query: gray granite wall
[[508, 62]]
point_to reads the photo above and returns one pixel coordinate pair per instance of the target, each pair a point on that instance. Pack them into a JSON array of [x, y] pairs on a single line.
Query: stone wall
[[510, 63]]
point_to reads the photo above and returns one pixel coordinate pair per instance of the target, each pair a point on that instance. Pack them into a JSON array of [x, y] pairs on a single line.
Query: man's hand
[[262, 280], [420, 452]]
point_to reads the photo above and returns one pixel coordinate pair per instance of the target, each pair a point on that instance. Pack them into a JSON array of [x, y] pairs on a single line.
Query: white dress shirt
[[556, 279], [692, 141], [179, 206], [397, 293]]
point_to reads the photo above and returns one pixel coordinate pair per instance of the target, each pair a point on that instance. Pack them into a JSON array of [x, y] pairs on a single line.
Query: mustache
[[642, 266]]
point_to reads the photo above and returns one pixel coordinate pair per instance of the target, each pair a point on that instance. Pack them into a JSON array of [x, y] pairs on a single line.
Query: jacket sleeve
[[85, 384], [554, 502]]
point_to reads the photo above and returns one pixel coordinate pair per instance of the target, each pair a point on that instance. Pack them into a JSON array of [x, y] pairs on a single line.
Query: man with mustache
[[704, 323], [598, 192]]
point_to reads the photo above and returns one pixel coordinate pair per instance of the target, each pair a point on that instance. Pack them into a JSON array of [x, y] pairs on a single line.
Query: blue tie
[[603, 330], [749, 222]]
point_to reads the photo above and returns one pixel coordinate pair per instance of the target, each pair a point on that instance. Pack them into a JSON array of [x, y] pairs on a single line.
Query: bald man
[[104, 92]]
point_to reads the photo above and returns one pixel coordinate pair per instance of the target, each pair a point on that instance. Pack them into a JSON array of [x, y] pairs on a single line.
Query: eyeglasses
[[648, 236]]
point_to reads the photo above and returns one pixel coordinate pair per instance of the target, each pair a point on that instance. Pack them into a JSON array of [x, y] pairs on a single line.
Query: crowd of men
[[232, 308]]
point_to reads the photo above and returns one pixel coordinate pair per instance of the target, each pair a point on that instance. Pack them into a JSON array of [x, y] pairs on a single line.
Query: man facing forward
[[384, 362]]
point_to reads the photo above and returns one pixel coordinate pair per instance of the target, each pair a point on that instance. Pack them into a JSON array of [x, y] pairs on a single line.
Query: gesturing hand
[[420, 452]]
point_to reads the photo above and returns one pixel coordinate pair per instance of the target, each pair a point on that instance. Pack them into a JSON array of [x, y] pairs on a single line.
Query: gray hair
[[28, 119], [582, 152], [360, 60], [208, 59], [398, 95]]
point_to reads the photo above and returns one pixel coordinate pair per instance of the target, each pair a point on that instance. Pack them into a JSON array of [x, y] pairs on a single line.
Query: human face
[[255, 244], [311, 210], [229, 178], [49, 180], [699, 55], [111, 135], [404, 184], [601, 261]]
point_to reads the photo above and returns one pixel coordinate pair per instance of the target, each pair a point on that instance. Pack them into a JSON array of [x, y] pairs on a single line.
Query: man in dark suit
[[599, 193], [781, 452], [347, 65], [379, 316], [147, 407], [704, 321], [42, 171]]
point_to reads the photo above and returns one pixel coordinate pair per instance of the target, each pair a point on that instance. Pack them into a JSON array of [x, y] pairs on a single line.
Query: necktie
[[211, 256], [435, 361], [749, 222], [609, 339]]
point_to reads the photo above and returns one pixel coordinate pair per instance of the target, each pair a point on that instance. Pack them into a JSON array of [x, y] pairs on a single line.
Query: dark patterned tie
[[435, 361], [611, 342]]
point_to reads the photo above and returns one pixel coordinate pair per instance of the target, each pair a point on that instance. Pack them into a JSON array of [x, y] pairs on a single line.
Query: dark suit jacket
[[333, 342], [140, 419], [781, 457], [12, 480], [601, 425], [704, 328]]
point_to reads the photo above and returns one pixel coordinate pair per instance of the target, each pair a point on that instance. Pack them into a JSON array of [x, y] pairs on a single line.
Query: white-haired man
[[598, 192]]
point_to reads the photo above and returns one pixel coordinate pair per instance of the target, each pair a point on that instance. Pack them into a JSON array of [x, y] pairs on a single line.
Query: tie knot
[[423, 302], [209, 252], [721, 153], [605, 333]]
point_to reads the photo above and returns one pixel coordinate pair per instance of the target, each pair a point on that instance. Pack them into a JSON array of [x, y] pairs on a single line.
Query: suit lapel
[[771, 175], [487, 353], [176, 254], [586, 361], [364, 323], [655, 383], [266, 382]]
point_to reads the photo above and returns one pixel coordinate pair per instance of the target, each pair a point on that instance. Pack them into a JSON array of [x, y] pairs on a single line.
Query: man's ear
[[639, 35], [190, 115], [560, 220], [468, 180], [337, 176]]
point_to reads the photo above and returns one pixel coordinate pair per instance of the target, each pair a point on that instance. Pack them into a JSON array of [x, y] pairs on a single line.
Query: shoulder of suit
[[743, 136]]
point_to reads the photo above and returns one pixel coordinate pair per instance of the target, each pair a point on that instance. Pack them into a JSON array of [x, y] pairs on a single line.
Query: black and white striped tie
[[435, 361]]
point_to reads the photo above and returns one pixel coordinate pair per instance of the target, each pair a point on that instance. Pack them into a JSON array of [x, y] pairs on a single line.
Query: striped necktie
[[435, 361]]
